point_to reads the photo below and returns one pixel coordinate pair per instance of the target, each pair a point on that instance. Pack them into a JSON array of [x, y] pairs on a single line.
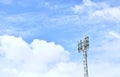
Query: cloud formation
[[47, 59], [40, 58], [111, 13]]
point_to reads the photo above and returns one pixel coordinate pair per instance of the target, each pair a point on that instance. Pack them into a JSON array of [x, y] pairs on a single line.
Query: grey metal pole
[[85, 63]]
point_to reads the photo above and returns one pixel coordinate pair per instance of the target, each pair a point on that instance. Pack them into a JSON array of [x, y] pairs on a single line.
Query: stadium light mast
[[84, 46]]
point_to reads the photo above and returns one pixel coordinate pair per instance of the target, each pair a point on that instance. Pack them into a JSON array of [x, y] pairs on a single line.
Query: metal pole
[[85, 63]]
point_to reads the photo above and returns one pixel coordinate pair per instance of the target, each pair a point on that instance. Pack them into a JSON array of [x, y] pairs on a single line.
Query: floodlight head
[[86, 43], [80, 46]]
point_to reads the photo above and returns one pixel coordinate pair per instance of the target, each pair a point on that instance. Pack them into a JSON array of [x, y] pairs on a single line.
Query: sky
[[39, 38]]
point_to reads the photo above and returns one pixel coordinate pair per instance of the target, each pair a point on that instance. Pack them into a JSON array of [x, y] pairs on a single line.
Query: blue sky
[[59, 25]]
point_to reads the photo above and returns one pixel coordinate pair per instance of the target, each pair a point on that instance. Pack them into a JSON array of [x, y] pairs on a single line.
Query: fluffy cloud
[[99, 10], [47, 59], [89, 7], [40, 58], [111, 13]]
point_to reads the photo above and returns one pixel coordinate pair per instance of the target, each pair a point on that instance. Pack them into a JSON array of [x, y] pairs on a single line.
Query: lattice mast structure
[[84, 46]]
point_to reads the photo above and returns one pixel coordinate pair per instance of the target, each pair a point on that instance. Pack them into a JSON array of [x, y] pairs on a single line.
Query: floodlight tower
[[83, 46]]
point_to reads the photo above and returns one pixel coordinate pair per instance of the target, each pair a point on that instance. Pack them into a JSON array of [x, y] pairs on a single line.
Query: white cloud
[[87, 2], [114, 34], [45, 59], [104, 70], [111, 13], [99, 10], [89, 7], [14, 48], [72, 69], [77, 8], [51, 52], [102, 11], [31, 60]]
